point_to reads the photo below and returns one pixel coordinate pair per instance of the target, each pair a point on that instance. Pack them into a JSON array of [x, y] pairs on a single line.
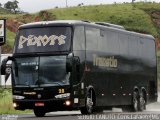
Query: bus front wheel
[[89, 103], [39, 112]]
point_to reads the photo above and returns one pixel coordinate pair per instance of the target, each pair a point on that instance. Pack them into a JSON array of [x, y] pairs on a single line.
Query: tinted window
[[112, 45], [133, 46], [92, 37], [146, 49], [79, 38], [123, 44]]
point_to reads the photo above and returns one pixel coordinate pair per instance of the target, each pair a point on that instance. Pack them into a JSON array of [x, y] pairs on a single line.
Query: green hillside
[[132, 18], [139, 17], [135, 17]]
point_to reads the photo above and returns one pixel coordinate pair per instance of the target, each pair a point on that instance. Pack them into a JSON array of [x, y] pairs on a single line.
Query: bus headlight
[[65, 95], [15, 105], [18, 97], [67, 103]]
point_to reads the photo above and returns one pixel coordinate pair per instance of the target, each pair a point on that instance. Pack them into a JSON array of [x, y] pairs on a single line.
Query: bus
[[78, 65]]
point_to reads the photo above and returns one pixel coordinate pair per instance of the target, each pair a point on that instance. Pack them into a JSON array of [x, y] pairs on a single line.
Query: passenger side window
[[123, 44], [133, 46], [79, 38], [92, 37]]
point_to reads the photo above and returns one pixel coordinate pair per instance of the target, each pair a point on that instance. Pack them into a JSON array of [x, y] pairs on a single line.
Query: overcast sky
[[37, 5]]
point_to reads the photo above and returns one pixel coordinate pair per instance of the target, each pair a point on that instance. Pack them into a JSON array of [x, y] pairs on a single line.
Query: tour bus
[[79, 65]]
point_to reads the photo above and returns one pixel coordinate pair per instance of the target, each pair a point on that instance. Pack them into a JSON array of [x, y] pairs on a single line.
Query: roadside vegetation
[[132, 18], [6, 102]]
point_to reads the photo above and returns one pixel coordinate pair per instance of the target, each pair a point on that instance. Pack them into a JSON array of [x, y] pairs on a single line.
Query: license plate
[[39, 104]]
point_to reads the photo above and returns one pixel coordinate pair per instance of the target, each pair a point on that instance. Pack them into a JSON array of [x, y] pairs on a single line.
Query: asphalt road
[[152, 113], [107, 115]]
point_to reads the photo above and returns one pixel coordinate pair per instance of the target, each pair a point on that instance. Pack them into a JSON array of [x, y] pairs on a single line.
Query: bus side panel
[[117, 62]]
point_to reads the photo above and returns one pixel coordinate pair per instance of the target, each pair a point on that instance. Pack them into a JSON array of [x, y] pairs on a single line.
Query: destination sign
[[43, 40], [32, 40]]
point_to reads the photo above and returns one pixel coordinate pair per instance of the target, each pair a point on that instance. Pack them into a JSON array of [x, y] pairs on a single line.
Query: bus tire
[[142, 101], [39, 112], [89, 103], [135, 101]]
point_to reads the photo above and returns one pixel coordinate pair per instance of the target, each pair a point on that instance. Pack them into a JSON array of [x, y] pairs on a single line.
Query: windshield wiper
[[50, 84], [57, 83], [22, 85]]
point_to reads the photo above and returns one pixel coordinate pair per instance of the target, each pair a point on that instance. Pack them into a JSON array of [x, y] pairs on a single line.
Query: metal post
[[0, 69], [66, 3]]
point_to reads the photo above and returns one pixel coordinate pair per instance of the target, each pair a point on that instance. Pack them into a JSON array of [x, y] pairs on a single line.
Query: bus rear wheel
[[39, 112], [142, 102], [89, 104], [135, 101]]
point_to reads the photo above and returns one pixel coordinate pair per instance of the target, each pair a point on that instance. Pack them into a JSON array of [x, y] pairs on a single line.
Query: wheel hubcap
[[89, 104], [135, 104], [142, 103]]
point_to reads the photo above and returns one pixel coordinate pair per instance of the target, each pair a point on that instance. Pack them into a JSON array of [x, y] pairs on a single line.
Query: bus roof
[[101, 25]]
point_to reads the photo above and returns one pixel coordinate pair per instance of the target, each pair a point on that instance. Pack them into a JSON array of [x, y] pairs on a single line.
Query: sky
[[32, 6]]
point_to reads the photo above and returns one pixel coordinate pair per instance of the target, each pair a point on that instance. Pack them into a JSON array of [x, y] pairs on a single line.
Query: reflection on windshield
[[46, 70]]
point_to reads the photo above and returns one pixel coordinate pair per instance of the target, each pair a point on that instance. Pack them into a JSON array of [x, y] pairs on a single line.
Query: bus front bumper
[[49, 105]]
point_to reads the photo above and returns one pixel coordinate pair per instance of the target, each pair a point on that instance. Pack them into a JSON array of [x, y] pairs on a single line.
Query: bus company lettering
[[105, 61], [41, 40]]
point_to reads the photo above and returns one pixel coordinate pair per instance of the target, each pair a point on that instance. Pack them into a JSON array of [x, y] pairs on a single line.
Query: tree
[[0, 4], [15, 6], [12, 6], [81, 4]]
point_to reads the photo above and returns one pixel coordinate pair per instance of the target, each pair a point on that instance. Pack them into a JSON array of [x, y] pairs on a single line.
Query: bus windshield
[[43, 70], [43, 39]]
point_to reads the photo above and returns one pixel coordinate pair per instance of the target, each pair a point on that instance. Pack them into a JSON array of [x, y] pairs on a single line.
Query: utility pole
[[133, 4], [133, 1], [66, 3]]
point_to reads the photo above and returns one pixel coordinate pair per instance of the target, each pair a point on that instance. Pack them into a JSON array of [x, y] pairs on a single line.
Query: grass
[[148, 7], [4, 11], [135, 17], [6, 103], [132, 18], [158, 53], [10, 38]]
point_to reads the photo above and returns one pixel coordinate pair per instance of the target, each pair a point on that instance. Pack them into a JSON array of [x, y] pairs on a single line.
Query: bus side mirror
[[4, 63], [3, 66], [69, 64]]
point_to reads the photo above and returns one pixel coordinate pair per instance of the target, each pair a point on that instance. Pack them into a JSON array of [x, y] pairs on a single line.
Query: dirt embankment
[[155, 15], [156, 18], [12, 24], [158, 43]]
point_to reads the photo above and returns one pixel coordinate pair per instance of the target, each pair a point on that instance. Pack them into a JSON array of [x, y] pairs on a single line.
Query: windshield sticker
[[32, 40], [29, 64]]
